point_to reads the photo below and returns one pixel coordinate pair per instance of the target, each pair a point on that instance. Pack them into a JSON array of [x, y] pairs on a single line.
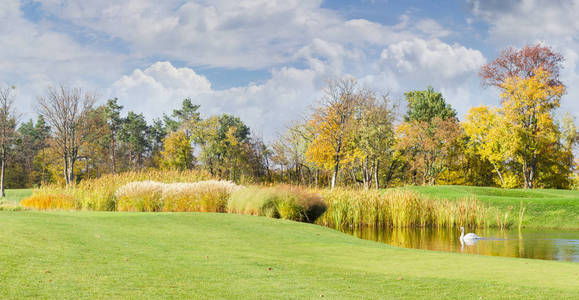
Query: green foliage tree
[[424, 106], [115, 122], [134, 135]]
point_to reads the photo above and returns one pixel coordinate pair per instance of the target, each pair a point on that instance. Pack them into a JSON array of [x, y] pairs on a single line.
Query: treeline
[[352, 137]]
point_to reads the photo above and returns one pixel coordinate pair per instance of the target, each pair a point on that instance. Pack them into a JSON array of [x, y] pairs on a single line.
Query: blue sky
[[267, 60]]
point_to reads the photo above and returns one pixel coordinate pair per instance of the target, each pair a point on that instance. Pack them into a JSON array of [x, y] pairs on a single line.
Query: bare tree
[[7, 129], [65, 110]]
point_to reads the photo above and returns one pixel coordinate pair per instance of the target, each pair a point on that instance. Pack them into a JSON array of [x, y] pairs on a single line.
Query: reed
[[397, 208]]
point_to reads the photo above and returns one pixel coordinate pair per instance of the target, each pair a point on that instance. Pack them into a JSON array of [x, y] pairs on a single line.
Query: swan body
[[468, 236]]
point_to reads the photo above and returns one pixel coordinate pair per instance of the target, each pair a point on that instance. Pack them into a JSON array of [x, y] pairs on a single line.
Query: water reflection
[[538, 244]]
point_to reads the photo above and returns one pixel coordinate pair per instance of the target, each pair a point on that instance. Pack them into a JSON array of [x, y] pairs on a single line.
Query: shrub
[[291, 203]]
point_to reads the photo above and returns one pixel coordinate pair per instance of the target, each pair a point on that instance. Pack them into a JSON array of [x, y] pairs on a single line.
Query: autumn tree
[[7, 130], [528, 104], [177, 153], [428, 135], [65, 110], [522, 63], [333, 125], [289, 153], [488, 137], [374, 135]]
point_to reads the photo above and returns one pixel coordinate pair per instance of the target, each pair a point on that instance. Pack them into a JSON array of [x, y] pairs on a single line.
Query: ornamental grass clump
[[99, 194], [285, 202], [140, 196], [51, 202], [203, 196]]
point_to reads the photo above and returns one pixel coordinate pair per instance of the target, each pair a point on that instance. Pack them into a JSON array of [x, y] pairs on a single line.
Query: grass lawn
[[205, 255], [544, 208], [14, 196]]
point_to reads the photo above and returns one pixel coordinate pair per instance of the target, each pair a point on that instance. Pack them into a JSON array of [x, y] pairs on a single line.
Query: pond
[[538, 244]]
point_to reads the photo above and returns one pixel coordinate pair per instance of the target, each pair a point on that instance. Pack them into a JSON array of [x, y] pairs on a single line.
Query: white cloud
[[34, 57], [267, 108], [432, 57]]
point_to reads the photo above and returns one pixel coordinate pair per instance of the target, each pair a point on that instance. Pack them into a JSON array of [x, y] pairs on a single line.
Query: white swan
[[468, 236]]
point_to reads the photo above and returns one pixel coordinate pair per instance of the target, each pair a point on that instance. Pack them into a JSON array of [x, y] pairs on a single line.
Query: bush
[[291, 203]]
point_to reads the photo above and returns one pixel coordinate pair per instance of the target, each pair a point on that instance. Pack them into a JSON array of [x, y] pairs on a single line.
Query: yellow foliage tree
[[333, 124], [488, 134], [528, 104], [177, 153]]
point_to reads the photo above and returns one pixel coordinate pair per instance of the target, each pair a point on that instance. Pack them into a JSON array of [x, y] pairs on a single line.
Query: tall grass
[[99, 194], [286, 202], [396, 208]]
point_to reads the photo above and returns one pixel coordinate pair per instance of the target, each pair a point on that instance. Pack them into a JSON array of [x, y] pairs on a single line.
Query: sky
[[267, 61]]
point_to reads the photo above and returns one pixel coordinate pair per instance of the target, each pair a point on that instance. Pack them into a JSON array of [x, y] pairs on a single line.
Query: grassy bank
[[544, 208], [206, 255]]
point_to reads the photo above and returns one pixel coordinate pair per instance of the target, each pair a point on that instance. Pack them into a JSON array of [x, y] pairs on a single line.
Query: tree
[[7, 130], [375, 135], [431, 145], [65, 109], [181, 117], [333, 124], [522, 63], [134, 134], [488, 137], [426, 105], [429, 134], [114, 121], [528, 104], [177, 153]]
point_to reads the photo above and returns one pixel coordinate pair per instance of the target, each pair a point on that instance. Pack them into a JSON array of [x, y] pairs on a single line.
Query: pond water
[[538, 244]]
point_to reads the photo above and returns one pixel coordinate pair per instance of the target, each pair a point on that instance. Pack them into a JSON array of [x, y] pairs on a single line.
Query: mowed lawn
[[13, 197], [545, 208], [208, 256]]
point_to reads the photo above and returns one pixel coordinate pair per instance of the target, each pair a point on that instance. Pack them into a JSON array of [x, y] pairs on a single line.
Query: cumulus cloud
[[267, 108], [431, 57], [299, 44]]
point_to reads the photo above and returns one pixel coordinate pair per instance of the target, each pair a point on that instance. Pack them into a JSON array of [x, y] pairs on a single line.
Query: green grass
[[210, 256], [14, 196], [544, 208]]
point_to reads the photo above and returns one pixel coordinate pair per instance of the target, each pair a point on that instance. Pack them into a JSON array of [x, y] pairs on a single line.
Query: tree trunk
[[114, 169], [376, 167], [3, 193], [335, 174], [500, 175], [66, 178], [71, 171]]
